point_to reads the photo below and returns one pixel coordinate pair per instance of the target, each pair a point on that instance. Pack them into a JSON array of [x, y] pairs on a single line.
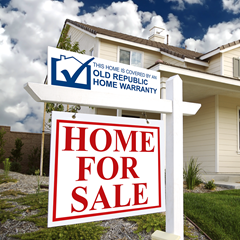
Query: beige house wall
[[229, 159], [113, 112], [199, 135], [195, 67], [228, 61], [214, 64], [86, 42], [110, 51], [172, 61]]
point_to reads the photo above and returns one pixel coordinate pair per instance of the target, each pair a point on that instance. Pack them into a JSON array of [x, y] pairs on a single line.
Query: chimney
[[156, 34]]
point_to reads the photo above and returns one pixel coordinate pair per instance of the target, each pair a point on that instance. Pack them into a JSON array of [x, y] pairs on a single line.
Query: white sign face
[[76, 70], [104, 167]]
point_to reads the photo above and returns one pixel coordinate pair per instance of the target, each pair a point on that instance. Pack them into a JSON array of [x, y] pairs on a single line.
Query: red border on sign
[[55, 219]]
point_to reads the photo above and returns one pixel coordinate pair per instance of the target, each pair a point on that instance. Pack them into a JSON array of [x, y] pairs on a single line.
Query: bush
[[7, 166], [34, 161], [16, 157], [149, 222], [210, 185], [191, 173]]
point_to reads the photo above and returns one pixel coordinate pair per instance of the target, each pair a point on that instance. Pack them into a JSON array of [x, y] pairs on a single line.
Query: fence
[[30, 140]]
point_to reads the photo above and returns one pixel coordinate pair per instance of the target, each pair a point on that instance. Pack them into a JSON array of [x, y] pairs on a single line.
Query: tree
[[65, 44], [16, 157]]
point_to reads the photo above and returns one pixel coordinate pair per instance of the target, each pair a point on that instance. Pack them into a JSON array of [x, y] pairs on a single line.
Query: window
[[236, 67], [130, 57]]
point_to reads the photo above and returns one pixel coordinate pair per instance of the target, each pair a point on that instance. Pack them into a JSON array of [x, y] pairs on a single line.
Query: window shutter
[[236, 63]]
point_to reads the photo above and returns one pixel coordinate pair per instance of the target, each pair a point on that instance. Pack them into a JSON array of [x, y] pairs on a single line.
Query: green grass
[[85, 231], [12, 193], [217, 213], [4, 215], [4, 179]]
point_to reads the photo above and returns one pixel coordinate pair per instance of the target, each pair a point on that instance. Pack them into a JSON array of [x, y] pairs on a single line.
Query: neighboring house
[[212, 79]]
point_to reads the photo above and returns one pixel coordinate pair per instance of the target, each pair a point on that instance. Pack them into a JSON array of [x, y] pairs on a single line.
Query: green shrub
[[2, 143], [210, 185], [34, 161], [149, 222], [16, 156], [7, 166], [191, 173]]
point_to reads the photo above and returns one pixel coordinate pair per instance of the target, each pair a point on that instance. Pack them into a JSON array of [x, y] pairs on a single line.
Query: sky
[[28, 27]]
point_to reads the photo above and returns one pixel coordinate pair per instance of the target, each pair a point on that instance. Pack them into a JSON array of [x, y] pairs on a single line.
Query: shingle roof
[[175, 51], [229, 44]]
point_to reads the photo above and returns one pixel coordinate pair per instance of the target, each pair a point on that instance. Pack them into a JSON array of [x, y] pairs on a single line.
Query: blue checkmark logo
[[70, 81]]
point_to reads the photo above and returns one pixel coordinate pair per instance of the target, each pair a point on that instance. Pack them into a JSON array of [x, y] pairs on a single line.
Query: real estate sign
[[104, 167], [81, 71]]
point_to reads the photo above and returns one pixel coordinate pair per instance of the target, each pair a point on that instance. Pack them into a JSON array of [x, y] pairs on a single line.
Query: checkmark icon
[[76, 74]]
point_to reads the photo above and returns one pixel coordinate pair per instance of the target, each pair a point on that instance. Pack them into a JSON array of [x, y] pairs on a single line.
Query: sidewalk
[[231, 182]]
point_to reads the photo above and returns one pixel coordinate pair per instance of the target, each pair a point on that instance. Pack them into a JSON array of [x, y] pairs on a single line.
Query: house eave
[[230, 48], [210, 54], [102, 36], [195, 74], [197, 62], [80, 29]]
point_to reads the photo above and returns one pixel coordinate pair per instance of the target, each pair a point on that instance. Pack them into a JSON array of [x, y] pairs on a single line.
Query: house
[[212, 79]]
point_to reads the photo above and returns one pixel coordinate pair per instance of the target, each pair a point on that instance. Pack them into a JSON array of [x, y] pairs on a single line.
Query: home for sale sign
[[104, 167]]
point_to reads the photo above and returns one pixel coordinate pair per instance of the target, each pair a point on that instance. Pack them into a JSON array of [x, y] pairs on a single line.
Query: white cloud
[[216, 36], [29, 27], [231, 6], [181, 3], [125, 17]]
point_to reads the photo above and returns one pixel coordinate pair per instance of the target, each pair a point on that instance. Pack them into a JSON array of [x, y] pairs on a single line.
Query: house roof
[[175, 51], [229, 45], [172, 50], [220, 49]]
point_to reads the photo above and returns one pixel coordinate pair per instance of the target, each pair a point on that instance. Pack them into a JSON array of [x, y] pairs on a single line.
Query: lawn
[[216, 213]]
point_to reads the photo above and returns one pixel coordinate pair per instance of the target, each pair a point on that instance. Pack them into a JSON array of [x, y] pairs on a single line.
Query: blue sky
[[27, 27]]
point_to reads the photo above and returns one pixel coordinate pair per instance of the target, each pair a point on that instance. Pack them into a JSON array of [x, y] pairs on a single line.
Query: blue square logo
[[70, 72]]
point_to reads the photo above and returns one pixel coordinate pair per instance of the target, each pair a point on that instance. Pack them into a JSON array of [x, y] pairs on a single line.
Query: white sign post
[[173, 106], [174, 159]]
